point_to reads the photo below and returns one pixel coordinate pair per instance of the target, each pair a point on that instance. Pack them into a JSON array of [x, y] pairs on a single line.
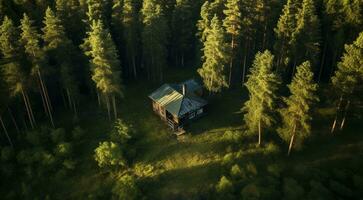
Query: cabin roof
[[171, 97]]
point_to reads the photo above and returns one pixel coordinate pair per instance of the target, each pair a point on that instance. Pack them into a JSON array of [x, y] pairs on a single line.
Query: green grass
[[171, 168]]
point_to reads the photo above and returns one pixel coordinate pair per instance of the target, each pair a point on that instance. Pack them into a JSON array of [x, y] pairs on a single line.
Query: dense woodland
[[284, 80]]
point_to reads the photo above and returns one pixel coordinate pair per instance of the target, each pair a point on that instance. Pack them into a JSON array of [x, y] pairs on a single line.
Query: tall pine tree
[[215, 58], [105, 65], [296, 116], [232, 23], [348, 78], [262, 85]]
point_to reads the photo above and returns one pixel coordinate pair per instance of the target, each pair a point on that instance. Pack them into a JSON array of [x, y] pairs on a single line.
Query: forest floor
[[179, 168]]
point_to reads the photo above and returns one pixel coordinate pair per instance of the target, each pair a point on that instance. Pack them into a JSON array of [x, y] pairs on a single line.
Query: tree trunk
[[244, 64], [108, 107], [336, 114], [134, 66], [322, 62], [345, 115], [27, 109], [231, 63], [69, 98], [6, 132], [30, 109], [47, 100], [292, 140], [98, 98], [114, 106], [182, 59], [259, 133], [43, 98], [13, 120]]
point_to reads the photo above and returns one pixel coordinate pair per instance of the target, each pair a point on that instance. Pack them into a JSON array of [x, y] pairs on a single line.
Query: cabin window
[[200, 111], [192, 115]]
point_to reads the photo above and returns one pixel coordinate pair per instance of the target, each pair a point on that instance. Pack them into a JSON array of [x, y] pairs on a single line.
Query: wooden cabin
[[178, 104]]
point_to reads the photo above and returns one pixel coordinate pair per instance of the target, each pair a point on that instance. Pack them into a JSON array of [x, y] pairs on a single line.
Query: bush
[[77, 133], [224, 186], [48, 159], [237, 173], [251, 169], [25, 157], [340, 189], [69, 164], [109, 154], [63, 149], [125, 188], [7, 153], [58, 135], [228, 159], [35, 138], [271, 148], [292, 190], [250, 192], [121, 132], [275, 170]]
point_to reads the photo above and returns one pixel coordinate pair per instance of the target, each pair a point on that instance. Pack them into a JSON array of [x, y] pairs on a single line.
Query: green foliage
[[109, 154], [7, 153], [69, 164], [121, 132], [77, 133], [237, 173], [251, 170], [125, 188], [350, 71], [58, 135], [250, 192], [262, 85], [275, 170], [292, 190], [318, 191], [215, 58], [63, 149], [224, 186], [271, 149], [296, 116]]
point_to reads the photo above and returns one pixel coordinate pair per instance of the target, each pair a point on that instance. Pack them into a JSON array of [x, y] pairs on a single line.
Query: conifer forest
[[181, 99]]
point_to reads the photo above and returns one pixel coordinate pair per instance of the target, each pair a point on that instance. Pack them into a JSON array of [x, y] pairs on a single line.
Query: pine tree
[[296, 116], [232, 23], [203, 24], [130, 33], [30, 39], [61, 50], [285, 43], [262, 85], [104, 64], [349, 77], [96, 10], [182, 29], [215, 58], [154, 39], [15, 76], [307, 33]]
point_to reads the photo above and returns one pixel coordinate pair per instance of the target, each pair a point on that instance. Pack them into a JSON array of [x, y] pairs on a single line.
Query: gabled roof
[[171, 97]]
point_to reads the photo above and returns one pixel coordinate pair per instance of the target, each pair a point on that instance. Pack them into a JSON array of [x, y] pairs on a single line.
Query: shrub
[[228, 159], [125, 188], [121, 132], [224, 186], [340, 189], [237, 173], [77, 133], [292, 190], [63, 149], [251, 169], [275, 170], [250, 192], [34, 138], [69, 164], [109, 154], [7, 153], [48, 159], [25, 157], [58, 135], [271, 148]]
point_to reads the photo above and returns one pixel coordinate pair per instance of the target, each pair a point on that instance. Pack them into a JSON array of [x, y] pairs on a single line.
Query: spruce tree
[[30, 39], [262, 85], [349, 77], [215, 58], [104, 64], [286, 43], [154, 39], [232, 24], [130, 33], [15, 75], [307, 33], [203, 24], [296, 116]]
